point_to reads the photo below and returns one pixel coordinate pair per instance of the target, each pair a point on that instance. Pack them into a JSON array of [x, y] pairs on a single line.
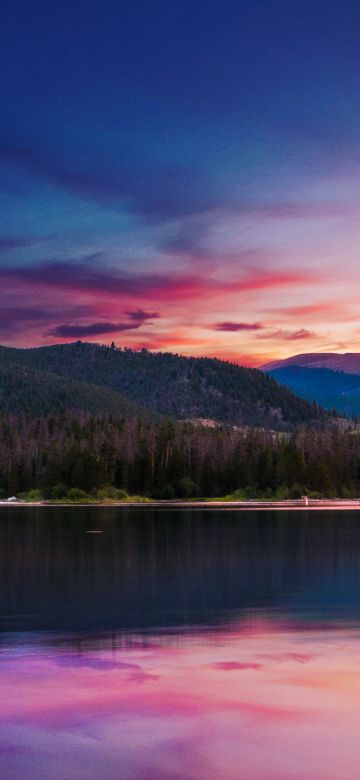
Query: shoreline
[[296, 504]]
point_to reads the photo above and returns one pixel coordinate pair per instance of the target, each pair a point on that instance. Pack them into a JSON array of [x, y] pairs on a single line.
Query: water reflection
[[158, 568], [262, 701]]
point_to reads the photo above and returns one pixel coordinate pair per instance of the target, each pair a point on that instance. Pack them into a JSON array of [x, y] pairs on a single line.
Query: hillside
[[168, 384], [26, 390]]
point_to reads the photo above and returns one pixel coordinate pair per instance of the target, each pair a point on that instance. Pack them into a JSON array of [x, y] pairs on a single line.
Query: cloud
[[309, 309], [85, 277], [237, 326], [90, 299], [93, 329], [168, 341], [12, 317], [264, 279], [140, 315], [15, 319], [190, 235], [98, 662], [135, 672], [232, 666], [293, 210], [301, 658], [157, 192], [288, 335], [62, 320], [297, 335], [38, 314]]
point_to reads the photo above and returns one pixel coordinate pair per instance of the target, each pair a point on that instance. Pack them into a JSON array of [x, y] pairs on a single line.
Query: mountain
[[330, 379], [349, 362], [68, 375]]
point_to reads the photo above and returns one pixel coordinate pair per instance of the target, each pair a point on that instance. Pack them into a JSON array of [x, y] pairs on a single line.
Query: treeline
[[75, 450]]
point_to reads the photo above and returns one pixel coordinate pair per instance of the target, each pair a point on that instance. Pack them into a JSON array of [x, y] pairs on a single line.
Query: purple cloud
[[135, 672], [83, 275], [95, 662], [93, 329], [237, 326], [13, 319], [86, 276], [140, 315], [38, 314]]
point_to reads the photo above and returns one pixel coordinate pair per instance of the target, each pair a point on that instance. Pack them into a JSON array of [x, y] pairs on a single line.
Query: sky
[[181, 176]]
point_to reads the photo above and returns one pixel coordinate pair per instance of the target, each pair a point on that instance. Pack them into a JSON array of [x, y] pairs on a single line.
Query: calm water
[[195, 645]]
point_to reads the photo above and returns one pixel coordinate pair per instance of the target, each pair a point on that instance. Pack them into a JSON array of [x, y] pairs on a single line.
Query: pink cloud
[[309, 309], [85, 277], [237, 326], [232, 666], [111, 302], [288, 335]]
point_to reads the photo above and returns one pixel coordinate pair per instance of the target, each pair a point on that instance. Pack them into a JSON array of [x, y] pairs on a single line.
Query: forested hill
[[27, 390], [168, 384]]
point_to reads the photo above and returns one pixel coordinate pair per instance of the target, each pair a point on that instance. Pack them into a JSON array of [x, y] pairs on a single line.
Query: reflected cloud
[[191, 720], [232, 666]]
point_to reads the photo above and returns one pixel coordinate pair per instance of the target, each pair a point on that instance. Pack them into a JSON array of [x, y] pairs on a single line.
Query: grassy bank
[[112, 496], [63, 495]]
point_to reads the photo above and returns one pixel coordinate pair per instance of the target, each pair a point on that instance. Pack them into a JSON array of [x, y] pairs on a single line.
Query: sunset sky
[[181, 175]]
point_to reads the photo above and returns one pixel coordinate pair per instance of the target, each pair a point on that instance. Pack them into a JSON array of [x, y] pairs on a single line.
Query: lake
[[170, 644]]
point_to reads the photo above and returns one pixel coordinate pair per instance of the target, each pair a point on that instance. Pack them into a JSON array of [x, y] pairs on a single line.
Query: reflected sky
[[264, 700], [179, 645]]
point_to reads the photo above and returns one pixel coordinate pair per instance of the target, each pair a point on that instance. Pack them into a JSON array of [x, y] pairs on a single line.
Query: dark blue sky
[[208, 147]]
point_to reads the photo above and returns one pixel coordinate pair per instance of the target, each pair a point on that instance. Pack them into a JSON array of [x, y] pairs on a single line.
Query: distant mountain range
[[330, 379], [107, 380], [348, 362]]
